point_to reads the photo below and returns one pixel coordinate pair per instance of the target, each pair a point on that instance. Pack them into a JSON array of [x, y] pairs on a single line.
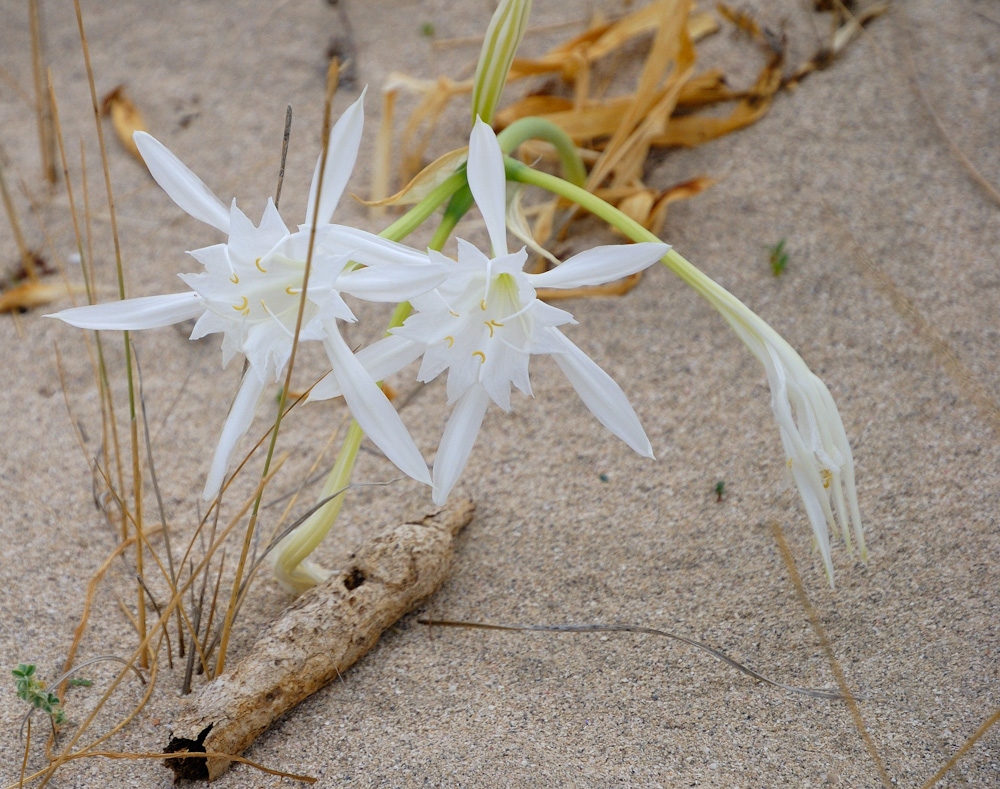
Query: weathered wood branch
[[317, 638]]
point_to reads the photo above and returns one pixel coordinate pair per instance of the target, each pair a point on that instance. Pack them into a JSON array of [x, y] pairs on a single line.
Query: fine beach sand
[[891, 296]]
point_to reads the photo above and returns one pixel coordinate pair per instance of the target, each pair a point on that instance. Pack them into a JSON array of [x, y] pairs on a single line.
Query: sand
[[890, 295]]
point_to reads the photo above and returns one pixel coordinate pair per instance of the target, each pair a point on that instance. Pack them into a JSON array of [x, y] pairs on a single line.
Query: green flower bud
[[503, 37]]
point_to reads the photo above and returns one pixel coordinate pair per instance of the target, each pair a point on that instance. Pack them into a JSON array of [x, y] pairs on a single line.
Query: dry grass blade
[[947, 766], [43, 110], [824, 640]]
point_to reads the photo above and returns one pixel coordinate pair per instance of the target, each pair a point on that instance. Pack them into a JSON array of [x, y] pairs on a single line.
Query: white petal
[[380, 360], [488, 183], [393, 283], [599, 265], [183, 186], [601, 395], [372, 410], [147, 312], [456, 443], [236, 426], [368, 249], [342, 153]]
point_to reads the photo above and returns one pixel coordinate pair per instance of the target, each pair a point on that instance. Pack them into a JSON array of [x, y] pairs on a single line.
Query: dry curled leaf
[[31, 294], [126, 119]]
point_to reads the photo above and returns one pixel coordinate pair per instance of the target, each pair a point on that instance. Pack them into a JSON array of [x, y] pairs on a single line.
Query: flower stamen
[[491, 324], [235, 279], [481, 355], [451, 340], [242, 305], [260, 268], [277, 320]]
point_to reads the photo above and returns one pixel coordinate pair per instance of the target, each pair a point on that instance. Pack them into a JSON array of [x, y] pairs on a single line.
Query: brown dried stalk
[[318, 638]]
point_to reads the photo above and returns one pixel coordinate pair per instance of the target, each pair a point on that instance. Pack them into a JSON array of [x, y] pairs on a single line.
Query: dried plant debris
[[615, 134], [126, 119], [317, 639]]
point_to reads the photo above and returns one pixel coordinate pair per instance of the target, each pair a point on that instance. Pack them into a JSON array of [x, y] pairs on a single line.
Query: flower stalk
[[812, 433]]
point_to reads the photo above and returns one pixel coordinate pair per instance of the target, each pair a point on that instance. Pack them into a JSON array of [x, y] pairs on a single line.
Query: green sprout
[[779, 258], [32, 690], [720, 490], [427, 30]]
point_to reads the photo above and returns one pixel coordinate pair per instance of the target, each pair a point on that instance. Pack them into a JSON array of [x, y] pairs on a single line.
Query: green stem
[[540, 129], [692, 276], [422, 211]]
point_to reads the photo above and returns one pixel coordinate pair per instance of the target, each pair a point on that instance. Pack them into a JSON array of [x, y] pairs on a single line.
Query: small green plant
[[720, 490], [32, 690], [779, 258], [427, 30]]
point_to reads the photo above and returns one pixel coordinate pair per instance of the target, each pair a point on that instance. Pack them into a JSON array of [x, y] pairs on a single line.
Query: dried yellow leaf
[[425, 181], [31, 294], [126, 119]]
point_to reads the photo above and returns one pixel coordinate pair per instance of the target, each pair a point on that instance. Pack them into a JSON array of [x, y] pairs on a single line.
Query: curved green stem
[[691, 275], [422, 211], [540, 129]]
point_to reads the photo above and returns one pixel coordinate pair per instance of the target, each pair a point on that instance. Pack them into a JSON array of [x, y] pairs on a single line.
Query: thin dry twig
[[815, 693]]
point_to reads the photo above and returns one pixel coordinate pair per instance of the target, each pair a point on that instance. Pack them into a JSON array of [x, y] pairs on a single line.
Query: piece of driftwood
[[317, 638]]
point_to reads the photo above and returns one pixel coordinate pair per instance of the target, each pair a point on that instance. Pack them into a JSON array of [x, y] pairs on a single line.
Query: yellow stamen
[[481, 355], [454, 313], [451, 340], [482, 305], [292, 291], [260, 267], [827, 476], [241, 306], [235, 279], [491, 324]]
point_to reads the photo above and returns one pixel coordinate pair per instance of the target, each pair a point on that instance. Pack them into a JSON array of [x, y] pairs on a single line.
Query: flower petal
[[380, 360], [599, 265], [146, 312], [342, 153], [393, 283], [181, 185], [367, 248], [372, 410], [236, 426], [488, 183], [601, 394], [456, 443]]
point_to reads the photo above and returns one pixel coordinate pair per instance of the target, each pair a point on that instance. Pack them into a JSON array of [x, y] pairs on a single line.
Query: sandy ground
[[891, 296]]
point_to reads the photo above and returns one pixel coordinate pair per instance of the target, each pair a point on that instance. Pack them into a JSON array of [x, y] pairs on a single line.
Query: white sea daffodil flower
[[251, 289], [812, 433], [485, 322]]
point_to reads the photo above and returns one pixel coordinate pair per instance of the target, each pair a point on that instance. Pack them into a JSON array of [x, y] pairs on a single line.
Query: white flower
[[251, 288], [484, 323], [812, 433]]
